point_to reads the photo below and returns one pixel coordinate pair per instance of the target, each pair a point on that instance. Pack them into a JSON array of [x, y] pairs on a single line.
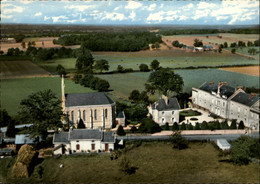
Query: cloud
[[38, 14], [187, 7], [25, 1], [46, 18], [59, 18], [233, 20], [79, 7], [182, 17], [156, 16], [117, 8], [222, 17], [204, 5], [133, 5], [14, 9], [162, 5], [201, 13], [6, 16], [151, 7], [163, 15], [113, 16], [132, 15]]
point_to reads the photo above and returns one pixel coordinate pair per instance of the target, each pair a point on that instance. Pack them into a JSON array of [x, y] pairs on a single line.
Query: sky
[[123, 12]]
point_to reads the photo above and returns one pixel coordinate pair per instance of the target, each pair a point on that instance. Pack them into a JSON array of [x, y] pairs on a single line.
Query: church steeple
[[63, 93]]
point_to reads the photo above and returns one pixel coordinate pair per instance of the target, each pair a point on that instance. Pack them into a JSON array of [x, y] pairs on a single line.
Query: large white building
[[228, 102]]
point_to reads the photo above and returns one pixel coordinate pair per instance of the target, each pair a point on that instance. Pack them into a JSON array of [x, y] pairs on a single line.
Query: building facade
[[165, 110], [83, 141], [96, 110], [228, 102]]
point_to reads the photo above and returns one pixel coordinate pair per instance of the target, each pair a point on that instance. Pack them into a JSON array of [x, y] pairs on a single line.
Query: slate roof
[[224, 90], [85, 134], [92, 134], [244, 98], [160, 105], [61, 137], [83, 99], [108, 137], [121, 115], [24, 139]]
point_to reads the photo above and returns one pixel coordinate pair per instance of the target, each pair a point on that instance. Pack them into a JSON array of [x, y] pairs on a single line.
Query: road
[[229, 137]]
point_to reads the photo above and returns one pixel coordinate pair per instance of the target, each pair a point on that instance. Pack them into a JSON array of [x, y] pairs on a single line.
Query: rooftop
[[85, 99], [161, 104], [224, 90], [245, 99]]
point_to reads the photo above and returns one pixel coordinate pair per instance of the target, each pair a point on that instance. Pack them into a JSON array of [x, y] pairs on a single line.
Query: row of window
[[84, 114], [163, 112]]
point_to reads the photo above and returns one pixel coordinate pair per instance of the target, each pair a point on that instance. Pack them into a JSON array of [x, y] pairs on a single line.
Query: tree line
[[133, 41]]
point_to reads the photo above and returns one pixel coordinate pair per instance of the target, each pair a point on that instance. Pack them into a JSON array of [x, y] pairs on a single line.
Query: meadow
[[155, 162], [123, 84], [244, 51], [14, 90]]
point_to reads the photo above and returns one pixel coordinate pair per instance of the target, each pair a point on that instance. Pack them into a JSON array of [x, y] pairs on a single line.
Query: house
[[223, 144], [96, 110], [227, 102], [22, 139], [120, 119], [198, 49], [165, 110], [83, 140], [208, 47]]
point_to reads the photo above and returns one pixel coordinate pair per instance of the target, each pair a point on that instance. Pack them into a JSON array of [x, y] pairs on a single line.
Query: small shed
[[24, 139], [120, 119], [223, 144]]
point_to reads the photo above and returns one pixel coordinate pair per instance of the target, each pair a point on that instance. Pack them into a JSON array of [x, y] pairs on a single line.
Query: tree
[[101, 65], [23, 45], [120, 131], [233, 51], [220, 50], [61, 70], [241, 125], [136, 112], [165, 81], [133, 129], [178, 141], [190, 126], [183, 126], [197, 126], [224, 125], [175, 126], [155, 64], [204, 125], [198, 43], [77, 78], [166, 126], [11, 131], [134, 95], [225, 45], [144, 68], [85, 59], [81, 124], [233, 124], [149, 126], [240, 150], [120, 69], [43, 110], [101, 85], [5, 119]]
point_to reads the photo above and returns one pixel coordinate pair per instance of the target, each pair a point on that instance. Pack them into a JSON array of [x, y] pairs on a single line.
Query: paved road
[[188, 137]]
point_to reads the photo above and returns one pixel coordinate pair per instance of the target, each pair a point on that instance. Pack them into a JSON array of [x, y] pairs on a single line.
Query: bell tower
[[63, 99]]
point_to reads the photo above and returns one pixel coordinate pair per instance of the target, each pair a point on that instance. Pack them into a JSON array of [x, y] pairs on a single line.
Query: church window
[[95, 114], [105, 113], [79, 114], [72, 116], [84, 115]]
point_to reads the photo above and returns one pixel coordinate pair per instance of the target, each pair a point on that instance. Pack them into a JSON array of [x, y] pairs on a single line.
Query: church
[[96, 109]]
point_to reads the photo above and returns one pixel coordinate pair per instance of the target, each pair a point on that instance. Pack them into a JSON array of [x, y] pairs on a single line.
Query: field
[[249, 70], [17, 69], [167, 58], [14, 90], [123, 84], [154, 162], [244, 51]]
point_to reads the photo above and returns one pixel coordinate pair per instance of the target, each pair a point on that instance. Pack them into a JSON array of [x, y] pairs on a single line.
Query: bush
[[204, 125], [233, 125], [120, 131], [133, 129], [197, 126], [241, 125], [167, 126], [224, 125], [178, 141], [183, 126], [240, 151], [126, 166], [120, 69], [149, 126], [175, 126], [144, 68], [11, 131], [190, 126]]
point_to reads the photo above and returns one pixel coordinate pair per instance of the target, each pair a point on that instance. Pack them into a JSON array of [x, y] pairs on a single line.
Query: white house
[[83, 140], [165, 110]]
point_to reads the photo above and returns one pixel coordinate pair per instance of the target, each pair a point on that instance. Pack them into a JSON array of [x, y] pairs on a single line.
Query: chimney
[[220, 84], [252, 95], [166, 99]]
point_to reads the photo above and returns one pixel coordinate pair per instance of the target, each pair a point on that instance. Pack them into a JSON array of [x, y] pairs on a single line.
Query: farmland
[[155, 162], [14, 90], [123, 84], [249, 70]]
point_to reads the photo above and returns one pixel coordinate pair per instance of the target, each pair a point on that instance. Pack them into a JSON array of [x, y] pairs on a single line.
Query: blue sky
[[203, 12]]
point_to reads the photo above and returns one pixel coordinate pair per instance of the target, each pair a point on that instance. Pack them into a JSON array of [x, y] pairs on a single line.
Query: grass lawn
[[123, 84], [190, 113], [156, 162], [14, 90]]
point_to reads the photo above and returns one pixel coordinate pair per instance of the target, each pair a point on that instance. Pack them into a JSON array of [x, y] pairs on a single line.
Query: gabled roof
[[84, 99], [121, 114], [62, 137], [245, 99], [161, 105], [224, 90], [108, 137], [85, 134], [24, 139]]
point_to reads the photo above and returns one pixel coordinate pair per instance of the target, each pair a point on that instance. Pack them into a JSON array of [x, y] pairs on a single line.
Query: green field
[[167, 58], [244, 51], [123, 84], [155, 162], [14, 90]]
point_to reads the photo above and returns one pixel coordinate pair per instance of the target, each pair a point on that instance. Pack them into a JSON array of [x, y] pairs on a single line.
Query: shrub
[[241, 125], [183, 126], [175, 126], [120, 131], [126, 166], [224, 125], [204, 125], [133, 129], [144, 68], [149, 126], [190, 126], [233, 124], [11, 131], [167, 126], [120, 69], [81, 124], [197, 126], [233, 51], [178, 141]]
